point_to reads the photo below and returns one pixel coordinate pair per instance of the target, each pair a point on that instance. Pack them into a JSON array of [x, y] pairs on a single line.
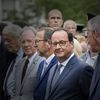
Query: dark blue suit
[[73, 83], [95, 84], [40, 90]]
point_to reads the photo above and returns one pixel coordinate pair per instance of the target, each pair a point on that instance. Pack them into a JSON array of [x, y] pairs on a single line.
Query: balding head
[[55, 19]]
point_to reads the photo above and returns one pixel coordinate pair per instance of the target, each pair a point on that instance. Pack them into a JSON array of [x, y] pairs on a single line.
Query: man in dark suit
[[43, 43], [73, 76], [10, 50], [94, 41]]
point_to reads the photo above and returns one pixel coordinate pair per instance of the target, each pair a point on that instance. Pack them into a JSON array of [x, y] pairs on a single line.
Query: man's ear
[[96, 37]]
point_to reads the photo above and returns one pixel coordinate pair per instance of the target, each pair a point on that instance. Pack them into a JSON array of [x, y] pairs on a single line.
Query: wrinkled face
[[55, 21], [11, 43], [61, 45], [40, 43], [93, 39], [71, 28], [28, 42]]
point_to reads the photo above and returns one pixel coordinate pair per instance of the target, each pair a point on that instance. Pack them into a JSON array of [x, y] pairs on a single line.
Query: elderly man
[[24, 75], [71, 27], [94, 41], [13, 52]]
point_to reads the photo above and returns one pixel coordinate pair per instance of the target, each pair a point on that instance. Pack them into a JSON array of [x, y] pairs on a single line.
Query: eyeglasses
[[61, 43], [36, 41]]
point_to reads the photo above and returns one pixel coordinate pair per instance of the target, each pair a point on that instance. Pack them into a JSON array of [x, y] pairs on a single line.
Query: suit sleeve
[[85, 80], [11, 83]]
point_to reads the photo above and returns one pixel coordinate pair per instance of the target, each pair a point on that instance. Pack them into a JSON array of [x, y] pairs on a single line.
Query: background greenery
[[71, 9]]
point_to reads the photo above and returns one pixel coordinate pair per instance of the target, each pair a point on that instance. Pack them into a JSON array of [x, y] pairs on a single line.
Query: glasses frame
[[61, 43]]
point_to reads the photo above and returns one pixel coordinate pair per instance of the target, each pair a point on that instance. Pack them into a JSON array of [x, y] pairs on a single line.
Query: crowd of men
[[54, 62]]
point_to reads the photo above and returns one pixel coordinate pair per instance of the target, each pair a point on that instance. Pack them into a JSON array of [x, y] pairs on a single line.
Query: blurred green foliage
[[71, 9]]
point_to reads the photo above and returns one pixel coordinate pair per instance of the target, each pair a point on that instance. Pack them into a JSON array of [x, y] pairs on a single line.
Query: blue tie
[[56, 75], [39, 94], [39, 72]]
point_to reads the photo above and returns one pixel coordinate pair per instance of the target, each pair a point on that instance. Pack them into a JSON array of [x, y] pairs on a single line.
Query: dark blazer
[[73, 83], [40, 90], [95, 84]]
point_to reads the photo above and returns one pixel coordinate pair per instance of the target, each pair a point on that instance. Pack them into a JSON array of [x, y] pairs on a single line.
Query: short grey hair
[[94, 23], [26, 28], [47, 32], [69, 22], [13, 30], [56, 11]]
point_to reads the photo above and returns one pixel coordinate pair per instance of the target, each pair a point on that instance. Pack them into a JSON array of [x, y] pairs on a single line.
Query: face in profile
[[40, 43], [11, 43], [93, 40], [61, 45]]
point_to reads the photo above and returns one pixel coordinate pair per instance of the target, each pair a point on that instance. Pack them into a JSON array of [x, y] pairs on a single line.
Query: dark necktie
[[56, 75], [24, 69]]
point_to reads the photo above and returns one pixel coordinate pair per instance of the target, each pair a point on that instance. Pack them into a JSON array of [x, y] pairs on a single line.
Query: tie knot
[[27, 61], [60, 65]]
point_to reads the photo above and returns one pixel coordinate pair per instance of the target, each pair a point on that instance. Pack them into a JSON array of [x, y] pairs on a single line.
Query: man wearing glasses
[[44, 48], [70, 80]]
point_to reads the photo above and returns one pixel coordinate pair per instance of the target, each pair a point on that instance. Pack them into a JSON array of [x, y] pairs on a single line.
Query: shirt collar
[[48, 60], [32, 57], [66, 61]]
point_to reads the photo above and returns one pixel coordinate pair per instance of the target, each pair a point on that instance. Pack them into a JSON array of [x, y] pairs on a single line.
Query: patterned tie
[[56, 75], [24, 69]]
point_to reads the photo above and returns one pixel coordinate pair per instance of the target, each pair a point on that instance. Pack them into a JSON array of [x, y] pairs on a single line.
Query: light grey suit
[[24, 90]]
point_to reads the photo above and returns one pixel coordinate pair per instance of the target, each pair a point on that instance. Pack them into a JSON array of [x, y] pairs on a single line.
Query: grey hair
[[47, 32], [68, 22], [13, 30], [26, 28], [94, 23]]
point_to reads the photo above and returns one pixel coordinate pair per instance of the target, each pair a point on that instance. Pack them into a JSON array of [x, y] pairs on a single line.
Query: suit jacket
[[95, 84], [24, 90], [41, 85], [73, 83], [9, 73]]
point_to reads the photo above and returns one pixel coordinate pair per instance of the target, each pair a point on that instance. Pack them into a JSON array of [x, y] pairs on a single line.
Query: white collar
[[67, 60]]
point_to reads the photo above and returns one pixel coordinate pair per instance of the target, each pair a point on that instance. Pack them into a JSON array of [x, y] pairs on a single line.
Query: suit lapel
[[96, 76], [19, 69], [52, 63], [31, 68], [65, 73], [48, 89]]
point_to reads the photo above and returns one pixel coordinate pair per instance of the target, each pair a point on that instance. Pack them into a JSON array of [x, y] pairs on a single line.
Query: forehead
[[27, 34], [55, 14], [70, 25], [40, 34], [60, 35], [8, 36]]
